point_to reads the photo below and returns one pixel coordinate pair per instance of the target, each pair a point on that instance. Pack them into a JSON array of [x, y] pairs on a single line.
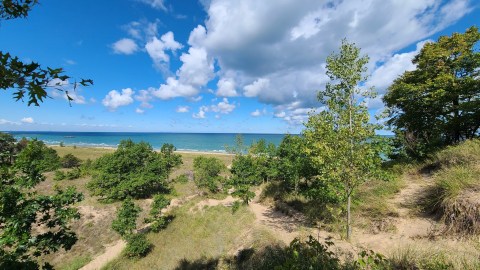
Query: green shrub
[[70, 161], [207, 172], [134, 169], [44, 157], [126, 220], [59, 175], [157, 220], [137, 246], [73, 174], [182, 179]]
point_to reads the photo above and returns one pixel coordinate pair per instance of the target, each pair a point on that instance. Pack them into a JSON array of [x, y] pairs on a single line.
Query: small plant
[[137, 246], [182, 179], [370, 260], [61, 144], [70, 161], [73, 174], [244, 193], [236, 206], [59, 175]]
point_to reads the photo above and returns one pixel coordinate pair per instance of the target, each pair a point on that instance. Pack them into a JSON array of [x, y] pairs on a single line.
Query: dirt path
[[111, 252], [408, 228], [114, 250]]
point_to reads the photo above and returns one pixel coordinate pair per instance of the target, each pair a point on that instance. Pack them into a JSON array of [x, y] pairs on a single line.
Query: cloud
[[157, 4], [8, 122], [144, 97], [254, 89], [226, 88], [182, 109], [174, 88], [125, 46], [223, 107], [64, 88], [157, 49], [139, 111], [196, 69], [256, 113], [383, 76], [276, 53], [27, 120], [114, 99], [201, 113]]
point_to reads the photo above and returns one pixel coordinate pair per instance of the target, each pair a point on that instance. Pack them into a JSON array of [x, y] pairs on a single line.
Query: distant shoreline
[[115, 148]]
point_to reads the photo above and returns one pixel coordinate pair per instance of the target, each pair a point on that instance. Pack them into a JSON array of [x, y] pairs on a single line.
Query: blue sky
[[211, 65]]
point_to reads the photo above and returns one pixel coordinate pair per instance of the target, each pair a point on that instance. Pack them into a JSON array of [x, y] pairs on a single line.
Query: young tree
[[207, 172], [340, 140], [438, 103]]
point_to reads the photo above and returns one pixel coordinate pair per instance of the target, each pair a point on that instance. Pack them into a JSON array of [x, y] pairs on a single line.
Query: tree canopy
[[134, 169], [438, 103]]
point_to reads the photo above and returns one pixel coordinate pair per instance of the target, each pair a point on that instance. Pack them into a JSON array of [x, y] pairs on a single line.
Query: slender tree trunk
[[349, 220]]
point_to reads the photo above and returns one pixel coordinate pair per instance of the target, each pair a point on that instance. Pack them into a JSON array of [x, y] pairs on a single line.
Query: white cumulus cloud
[[182, 109], [115, 99], [27, 120], [223, 107], [157, 48], [125, 46]]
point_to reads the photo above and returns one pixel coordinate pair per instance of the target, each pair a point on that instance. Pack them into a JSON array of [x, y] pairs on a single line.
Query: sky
[[239, 66]]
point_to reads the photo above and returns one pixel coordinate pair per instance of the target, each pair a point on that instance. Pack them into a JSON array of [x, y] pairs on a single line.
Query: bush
[[182, 179], [157, 220], [137, 246], [134, 169], [45, 158], [59, 175], [126, 220], [70, 161], [207, 172], [73, 174]]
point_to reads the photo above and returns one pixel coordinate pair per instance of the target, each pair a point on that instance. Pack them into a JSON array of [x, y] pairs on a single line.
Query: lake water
[[205, 142]]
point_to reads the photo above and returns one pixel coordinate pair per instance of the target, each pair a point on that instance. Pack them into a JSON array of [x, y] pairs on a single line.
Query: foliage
[[340, 140], [126, 220], [243, 191], [207, 172], [134, 169], [244, 170], [438, 103], [137, 246], [30, 79], [11, 9], [156, 219], [59, 175], [310, 254], [70, 161], [30, 224], [264, 155], [292, 162], [72, 174], [37, 154], [8, 149]]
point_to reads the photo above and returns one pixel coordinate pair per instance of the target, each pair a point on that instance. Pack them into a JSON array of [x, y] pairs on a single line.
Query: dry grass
[[203, 235], [93, 229], [434, 256]]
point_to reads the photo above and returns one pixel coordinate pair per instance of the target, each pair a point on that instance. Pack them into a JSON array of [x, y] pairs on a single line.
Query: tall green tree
[[340, 140], [438, 103]]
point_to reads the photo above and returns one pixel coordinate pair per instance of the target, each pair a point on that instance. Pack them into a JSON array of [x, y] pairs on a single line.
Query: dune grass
[[454, 197], [210, 233]]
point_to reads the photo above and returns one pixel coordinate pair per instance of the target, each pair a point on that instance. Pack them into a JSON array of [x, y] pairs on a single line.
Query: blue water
[[208, 142]]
